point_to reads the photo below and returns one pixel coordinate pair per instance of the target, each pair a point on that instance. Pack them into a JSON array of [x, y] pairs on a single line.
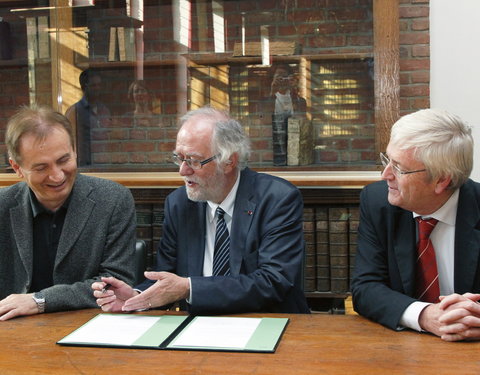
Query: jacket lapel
[[242, 219], [79, 210], [404, 247], [467, 240], [195, 223], [22, 228]]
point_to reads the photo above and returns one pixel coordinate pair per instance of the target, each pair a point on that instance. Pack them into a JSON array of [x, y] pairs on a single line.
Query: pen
[[106, 287]]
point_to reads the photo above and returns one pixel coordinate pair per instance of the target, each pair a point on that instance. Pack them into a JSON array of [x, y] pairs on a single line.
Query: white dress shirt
[[443, 240], [227, 205]]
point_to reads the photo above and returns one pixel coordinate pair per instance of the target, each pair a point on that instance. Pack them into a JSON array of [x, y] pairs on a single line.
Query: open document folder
[[179, 332]]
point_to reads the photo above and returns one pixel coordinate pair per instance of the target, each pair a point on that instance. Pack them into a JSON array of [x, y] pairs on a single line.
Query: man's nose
[[185, 169], [56, 174]]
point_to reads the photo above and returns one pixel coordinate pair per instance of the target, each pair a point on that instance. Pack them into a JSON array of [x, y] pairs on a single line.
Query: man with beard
[[232, 238]]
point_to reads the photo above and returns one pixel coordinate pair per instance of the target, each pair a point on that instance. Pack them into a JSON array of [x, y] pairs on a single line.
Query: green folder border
[[162, 335], [265, 338]]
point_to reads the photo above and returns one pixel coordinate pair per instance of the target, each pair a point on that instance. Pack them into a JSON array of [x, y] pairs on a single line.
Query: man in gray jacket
[[60, 231]]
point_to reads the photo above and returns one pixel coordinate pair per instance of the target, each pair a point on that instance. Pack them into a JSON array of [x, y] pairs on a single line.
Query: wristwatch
[[39, 299]]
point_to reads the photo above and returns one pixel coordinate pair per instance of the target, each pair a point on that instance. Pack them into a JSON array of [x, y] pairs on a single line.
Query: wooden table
[[311, 344]]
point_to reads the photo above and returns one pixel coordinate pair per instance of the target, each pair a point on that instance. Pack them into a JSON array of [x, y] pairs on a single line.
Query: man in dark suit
[[59, 231], [263, 216], [88, 115], [427, 166]]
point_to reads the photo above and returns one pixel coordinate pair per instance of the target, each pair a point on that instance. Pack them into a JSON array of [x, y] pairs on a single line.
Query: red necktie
[[428, 289]]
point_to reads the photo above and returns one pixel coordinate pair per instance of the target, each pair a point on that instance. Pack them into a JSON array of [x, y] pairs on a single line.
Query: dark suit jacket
[[266, 250], [98, 239], [384, 281]]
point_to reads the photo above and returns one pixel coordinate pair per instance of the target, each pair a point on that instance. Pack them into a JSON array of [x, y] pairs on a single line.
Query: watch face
[[40, 301]]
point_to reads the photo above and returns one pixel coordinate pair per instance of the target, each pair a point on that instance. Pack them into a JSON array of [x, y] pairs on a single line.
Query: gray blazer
[[98, 239]]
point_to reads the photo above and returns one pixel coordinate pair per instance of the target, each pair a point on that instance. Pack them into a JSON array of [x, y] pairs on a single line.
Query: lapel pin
[[250, 212]]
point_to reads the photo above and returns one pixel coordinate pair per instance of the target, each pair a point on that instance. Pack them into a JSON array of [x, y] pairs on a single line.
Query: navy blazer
[[266, 249], [383, 285]]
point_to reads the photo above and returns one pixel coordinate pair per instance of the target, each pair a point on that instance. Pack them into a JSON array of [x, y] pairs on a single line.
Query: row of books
[[121, 45], [330, 236], [331, 241]]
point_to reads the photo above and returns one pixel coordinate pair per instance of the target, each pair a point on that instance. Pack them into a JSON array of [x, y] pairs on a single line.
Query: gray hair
[[440, 140], [228, 135]]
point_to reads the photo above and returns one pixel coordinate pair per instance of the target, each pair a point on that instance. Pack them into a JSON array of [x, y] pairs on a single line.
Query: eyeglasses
[[396, 170], [192, 163]]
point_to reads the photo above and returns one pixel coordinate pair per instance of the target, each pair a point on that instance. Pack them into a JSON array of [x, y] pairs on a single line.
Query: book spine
[[112, 44], [305, 155], [309, 236], [121, 44], [43, 38], [279, 139], [130, 51], [293, 141], [322, 249], [338, 237], [352, 238]]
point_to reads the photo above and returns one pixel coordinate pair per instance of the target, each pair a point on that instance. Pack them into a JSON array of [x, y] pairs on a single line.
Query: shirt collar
[[38, 208], [228, 203], [448, 212]]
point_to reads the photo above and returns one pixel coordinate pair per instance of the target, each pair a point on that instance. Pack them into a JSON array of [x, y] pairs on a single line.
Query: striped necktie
[[428, 289], [221, 253]]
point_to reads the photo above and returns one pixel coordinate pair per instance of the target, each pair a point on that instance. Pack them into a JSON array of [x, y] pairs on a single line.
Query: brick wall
[[414, 55]]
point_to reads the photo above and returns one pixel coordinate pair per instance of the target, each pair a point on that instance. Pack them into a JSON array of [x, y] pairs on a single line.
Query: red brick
[[421, 51], [137, 146], [414, 90], [413, 11], [414, 38], [405, 78], [414, 64], [328, 156], [422, 24], [420, 77], [420, 103], [119, 158], [347, 14]]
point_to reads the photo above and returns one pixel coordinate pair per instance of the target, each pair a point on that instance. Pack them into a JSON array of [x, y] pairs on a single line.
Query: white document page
[[228, 332], [113, 329]]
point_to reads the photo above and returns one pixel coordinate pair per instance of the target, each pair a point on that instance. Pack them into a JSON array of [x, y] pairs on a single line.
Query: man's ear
[[231, 163], [442, 184], [16, 168]]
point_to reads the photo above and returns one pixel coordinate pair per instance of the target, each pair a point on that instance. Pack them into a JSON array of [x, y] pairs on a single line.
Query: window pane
[[297, 74]]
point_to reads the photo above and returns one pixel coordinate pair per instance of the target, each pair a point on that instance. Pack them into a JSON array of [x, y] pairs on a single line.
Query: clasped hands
[[168, 288], [456, 317]]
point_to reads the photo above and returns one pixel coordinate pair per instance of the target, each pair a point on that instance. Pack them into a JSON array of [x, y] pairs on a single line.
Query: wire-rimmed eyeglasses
[[396, 170], [192, 163]]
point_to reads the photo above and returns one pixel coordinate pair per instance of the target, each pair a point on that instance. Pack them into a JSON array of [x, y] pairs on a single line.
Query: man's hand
[[17, 305], [429, 319], [115, 294], [455, 318], [461, 317], [168, 288]]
